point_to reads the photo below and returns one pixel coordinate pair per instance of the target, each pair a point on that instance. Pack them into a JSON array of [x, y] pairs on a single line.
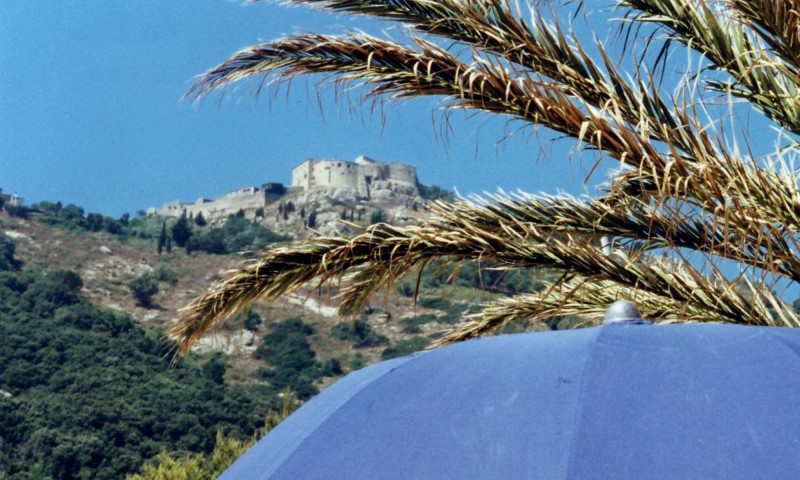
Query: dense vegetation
[[73, 217], [209, 466], [293, 363], [87, 394], [236, 235]]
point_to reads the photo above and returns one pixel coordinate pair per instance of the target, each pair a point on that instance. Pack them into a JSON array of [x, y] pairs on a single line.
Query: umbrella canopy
[[618, 401]]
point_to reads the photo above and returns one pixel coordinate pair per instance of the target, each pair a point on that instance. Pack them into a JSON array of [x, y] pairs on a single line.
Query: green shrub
[[377, 216], [292, 361], [405, 347], [143, 288], [359, 332], [435, 192], [411, 324], [7, 249], [164, 273]]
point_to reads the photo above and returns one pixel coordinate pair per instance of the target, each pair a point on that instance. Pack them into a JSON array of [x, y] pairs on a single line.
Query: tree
[[94, 222], [214, 369], [226, 451], [378, 216], [162, 238], [687, 204], [7, 249], [181, 231], [143, 288]]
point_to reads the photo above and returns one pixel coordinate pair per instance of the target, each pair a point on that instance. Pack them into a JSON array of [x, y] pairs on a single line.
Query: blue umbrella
[[621, 401]]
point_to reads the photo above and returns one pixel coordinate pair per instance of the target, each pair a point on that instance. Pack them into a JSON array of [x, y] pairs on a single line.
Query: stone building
[[364, 177], [13, 199], [360, 175]]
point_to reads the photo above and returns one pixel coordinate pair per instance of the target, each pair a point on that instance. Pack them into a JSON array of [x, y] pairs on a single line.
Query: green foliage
[[311, 221], [359, 332], [143, 288], [405, 289], [432, 302], [18, 211], [93, 396], [149, 228], [236, 235], [435, 192], [181, 231], [405, 347], [377, 216], [293, 362], [214, 369], [7, 249], [47, 292], [411, 324], [484, 276], [194, 467], [454, 313], [356, 361], [209, 467], [212, 241], [74, 218], [162, 238], [249, 321], [200, 220], [164, 273]]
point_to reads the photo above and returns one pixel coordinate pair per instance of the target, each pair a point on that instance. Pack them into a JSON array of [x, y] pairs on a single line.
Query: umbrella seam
[[350, 398], [577, 416]]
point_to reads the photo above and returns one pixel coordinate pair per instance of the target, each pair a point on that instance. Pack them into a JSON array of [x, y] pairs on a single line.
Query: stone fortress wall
[[314, 173], [359, 175]]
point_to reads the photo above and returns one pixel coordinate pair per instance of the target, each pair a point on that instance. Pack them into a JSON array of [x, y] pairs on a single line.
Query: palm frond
[[658, 227], [777, 22], [756, 76], [589, 299], [505, 232], [683, 188]]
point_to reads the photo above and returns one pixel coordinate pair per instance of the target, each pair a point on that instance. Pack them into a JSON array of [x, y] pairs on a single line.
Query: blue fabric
[[619, 401]]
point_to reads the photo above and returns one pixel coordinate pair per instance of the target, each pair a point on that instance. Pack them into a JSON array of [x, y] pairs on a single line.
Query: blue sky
[[90, 111]]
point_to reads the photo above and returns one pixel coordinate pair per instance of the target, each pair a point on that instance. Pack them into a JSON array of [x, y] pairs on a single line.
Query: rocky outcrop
[[329, 187]]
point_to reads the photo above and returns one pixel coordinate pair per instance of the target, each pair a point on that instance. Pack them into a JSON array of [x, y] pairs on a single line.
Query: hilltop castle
[[360, 175], [363, 177]]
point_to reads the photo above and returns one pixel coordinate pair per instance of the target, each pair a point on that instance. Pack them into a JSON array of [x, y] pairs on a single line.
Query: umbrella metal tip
[[622, 311]]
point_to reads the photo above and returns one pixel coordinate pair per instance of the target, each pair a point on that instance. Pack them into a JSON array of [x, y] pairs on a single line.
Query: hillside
[[297, 343], [107, 263]]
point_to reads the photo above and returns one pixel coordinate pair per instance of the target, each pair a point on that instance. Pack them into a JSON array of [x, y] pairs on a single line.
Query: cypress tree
[[162, 238], [181, 231]]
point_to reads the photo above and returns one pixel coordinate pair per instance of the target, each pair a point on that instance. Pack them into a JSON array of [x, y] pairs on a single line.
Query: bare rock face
[[333, 210], [228, 342]]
